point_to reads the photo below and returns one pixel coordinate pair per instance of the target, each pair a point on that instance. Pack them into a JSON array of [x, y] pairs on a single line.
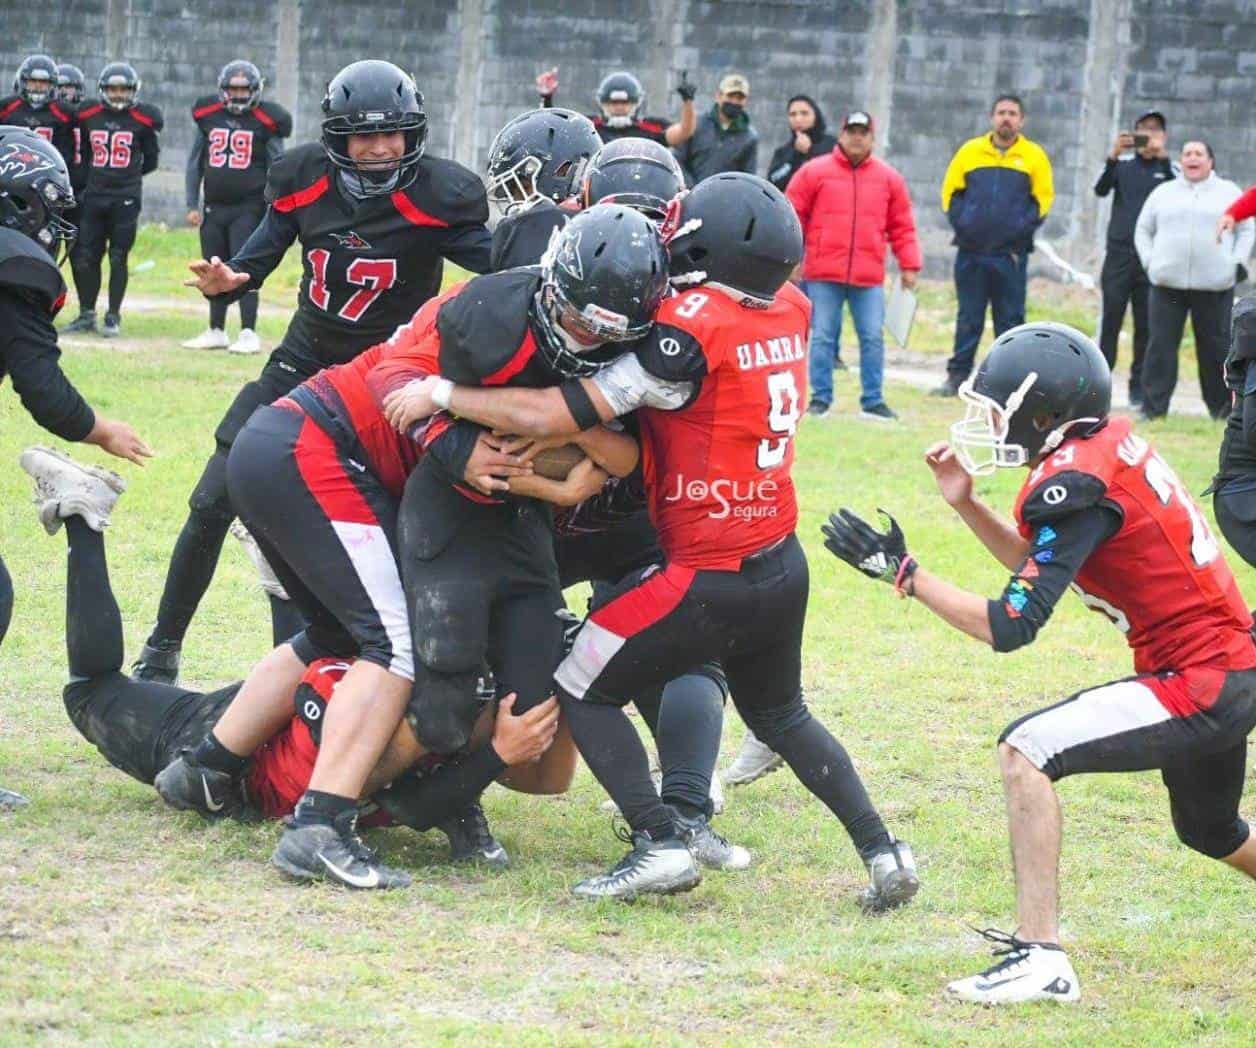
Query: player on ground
[[621, 98], [1100, 511], [118, 142], [35, 193], [239, 136], [375, 217], [717, 388], [36, 104]]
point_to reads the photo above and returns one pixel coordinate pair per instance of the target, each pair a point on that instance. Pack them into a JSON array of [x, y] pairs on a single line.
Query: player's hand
[[908, 276], [584, 481], [547, 83], [411, 403], [878, 554], [685, 89], [214, 277], [527, 448], [954, 481], [1225, 224], [518, 740], [118, 438], [802, 142], [194, 219], [489, 467]]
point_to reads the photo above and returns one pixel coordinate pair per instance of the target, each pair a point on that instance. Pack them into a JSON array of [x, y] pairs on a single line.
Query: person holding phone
[[1138, 163]]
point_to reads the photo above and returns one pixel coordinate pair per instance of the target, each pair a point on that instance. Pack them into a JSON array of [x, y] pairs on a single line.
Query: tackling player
[[717, 387], [375, 217], [620, 97], [1103, 512], [239, 138], [118, 140]]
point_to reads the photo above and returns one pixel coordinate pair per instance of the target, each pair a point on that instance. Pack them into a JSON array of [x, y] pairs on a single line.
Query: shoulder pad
[[483, 327], [281, 118], [450, 192], [27, 267], [1060, 494], [205, 105], [295, 170], [63, 111], [148, 114]]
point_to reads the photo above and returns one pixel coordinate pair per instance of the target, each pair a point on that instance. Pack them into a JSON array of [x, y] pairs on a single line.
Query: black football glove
[[685, 89], [879, 555]]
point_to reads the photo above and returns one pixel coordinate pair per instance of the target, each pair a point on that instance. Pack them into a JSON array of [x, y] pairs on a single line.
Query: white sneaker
[[753, 761], [64, 488], [265, 573], [1029, 971], [211, 338], [246, 343]]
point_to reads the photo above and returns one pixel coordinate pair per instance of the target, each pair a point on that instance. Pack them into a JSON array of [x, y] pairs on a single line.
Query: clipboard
[[900, 312]]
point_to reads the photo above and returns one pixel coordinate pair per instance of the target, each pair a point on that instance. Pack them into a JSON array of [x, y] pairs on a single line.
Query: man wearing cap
[[1132, 171], [997, 192], [851, 205], [723, 139]]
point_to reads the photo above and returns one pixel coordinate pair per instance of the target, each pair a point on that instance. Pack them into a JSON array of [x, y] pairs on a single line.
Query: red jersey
[[718, 470], [1161, 577]]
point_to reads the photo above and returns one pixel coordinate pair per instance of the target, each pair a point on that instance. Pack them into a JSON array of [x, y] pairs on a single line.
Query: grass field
[[121, 922]]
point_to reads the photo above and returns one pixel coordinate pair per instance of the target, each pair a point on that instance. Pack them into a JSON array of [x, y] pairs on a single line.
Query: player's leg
[[245, 219], [8, 799], [89, 250], [1204, 796], [124, 224], [214, 241]]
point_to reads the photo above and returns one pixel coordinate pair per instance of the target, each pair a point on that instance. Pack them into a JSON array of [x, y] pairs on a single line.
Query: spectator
[[851, 205], [1191, 272], [808, 139], [724, 139], [996, 193], [1123, 279]]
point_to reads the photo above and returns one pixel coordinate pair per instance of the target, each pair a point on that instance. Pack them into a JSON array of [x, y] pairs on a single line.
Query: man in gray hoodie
[[1192, 270]]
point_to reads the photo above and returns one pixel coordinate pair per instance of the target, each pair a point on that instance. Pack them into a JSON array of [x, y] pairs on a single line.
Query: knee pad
[[443, 708], [449, 621], [1216, 840], [775, 722], [210, 497]]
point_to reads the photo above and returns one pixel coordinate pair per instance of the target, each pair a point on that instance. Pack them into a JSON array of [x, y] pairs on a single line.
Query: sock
[[210, 753], [248, 311], [691, 720], [217, 313], [316, 808]]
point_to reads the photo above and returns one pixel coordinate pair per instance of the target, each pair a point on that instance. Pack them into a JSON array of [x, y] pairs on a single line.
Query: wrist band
[[442, 393], [905, 571]]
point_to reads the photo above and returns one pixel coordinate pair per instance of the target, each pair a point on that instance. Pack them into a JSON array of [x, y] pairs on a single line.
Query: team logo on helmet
[[18, 161], [566, 253], [351, 240]]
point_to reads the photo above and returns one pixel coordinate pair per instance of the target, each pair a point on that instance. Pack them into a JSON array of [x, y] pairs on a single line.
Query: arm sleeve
[[1042, 184], [1107, 178], [263, 250], [469, 246], [1244, 207], [421, 802], [152, 150], [28, 343], [449, 443], [664, 374], [1057, 552], [193, 171]]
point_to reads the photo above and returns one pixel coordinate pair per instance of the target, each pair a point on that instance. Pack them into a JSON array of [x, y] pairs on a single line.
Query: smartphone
[[1140, 139]]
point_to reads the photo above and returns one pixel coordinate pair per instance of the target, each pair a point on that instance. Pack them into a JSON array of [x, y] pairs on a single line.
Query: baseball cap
[[858, 118], [734, 82], [1153, 114]]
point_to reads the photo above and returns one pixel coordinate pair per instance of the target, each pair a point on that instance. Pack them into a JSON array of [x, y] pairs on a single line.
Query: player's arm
[[996, 532], [683, 130], [585, 480], [611, 450], [252, 264], [149, 144], [193, 172]]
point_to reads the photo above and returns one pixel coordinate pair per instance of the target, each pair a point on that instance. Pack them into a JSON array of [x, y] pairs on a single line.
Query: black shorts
[[668, 620], [106, 220], [225, 227], [607, 554]]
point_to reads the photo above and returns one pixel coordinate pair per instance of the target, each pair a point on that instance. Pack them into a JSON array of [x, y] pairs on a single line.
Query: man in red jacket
[[851, 204]]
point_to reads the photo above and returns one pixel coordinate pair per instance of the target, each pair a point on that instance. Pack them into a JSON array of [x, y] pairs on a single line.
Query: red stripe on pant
[[327, 477], [646, 603]]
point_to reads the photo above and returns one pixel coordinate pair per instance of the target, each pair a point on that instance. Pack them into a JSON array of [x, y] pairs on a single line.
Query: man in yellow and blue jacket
[[996, 193]]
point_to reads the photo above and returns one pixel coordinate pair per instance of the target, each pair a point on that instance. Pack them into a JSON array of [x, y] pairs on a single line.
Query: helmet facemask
[[235, 103], [515, 188], [378, 177], [979, 439], [118, 95], [37, 91]]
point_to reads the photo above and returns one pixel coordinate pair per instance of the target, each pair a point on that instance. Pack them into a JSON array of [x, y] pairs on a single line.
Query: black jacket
[[787, 160], [1133, 178]]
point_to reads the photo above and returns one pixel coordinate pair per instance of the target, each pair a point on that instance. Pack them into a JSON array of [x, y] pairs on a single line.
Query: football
[[556, 463]]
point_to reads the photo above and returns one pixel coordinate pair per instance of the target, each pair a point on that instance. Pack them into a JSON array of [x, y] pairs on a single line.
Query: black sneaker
[[113, 326], [879, 413], [471, 840], [83, 324], [818, 408], [188, 786], [10, 800], [334, 853], [948, 388], [651, 868], [158, 662]]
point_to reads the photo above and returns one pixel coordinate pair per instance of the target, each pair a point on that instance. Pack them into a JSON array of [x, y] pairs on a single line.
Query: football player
[[139, 726], [717, 387], [35, 104], [635, 172], [35, 193], [1232, 487], [71, 84], [375, 217], [71, 88], [621, 98], [239, 137], [1103, 512], [118, 137]]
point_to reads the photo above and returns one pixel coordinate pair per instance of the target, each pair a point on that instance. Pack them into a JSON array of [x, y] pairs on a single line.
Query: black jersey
[[367, 264], [521, 239], [54, 122], [233, 151], [651, 127], [119, 146]]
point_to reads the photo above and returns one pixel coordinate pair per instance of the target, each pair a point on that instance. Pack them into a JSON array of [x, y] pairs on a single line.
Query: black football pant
[[1235, 509], [1210, 320], [1124, 283], [138, 726], [200, 542], [665, 622], [6, 600], [105, 222], [224, 229]]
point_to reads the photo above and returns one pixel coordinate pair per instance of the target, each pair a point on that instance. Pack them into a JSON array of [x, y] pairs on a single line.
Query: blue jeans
[[867, 308], [981, 280]]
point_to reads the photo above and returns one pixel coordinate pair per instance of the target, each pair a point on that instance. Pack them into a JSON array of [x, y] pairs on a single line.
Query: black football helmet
[[539, 155], [734, 231], [620, 87], [115, 75], [71, 85], [36, 81], [603, 277], [1038, 382], [35, 191], [636, 172], [372, 97], [240, 73]]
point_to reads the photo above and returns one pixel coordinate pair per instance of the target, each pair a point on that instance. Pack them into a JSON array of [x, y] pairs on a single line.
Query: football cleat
[[265, 573], [334, 853], [1029, 971], [210, 338], [10, 800], [753, 761], [188, 786], [158, 662], [83, 324], [246, 343], [892, 879], [65, 488], [711, 849], [471, 840], [651, 868], [113, 326]]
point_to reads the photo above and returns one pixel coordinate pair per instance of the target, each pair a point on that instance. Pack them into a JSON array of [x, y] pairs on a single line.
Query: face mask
[[732, 110]]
